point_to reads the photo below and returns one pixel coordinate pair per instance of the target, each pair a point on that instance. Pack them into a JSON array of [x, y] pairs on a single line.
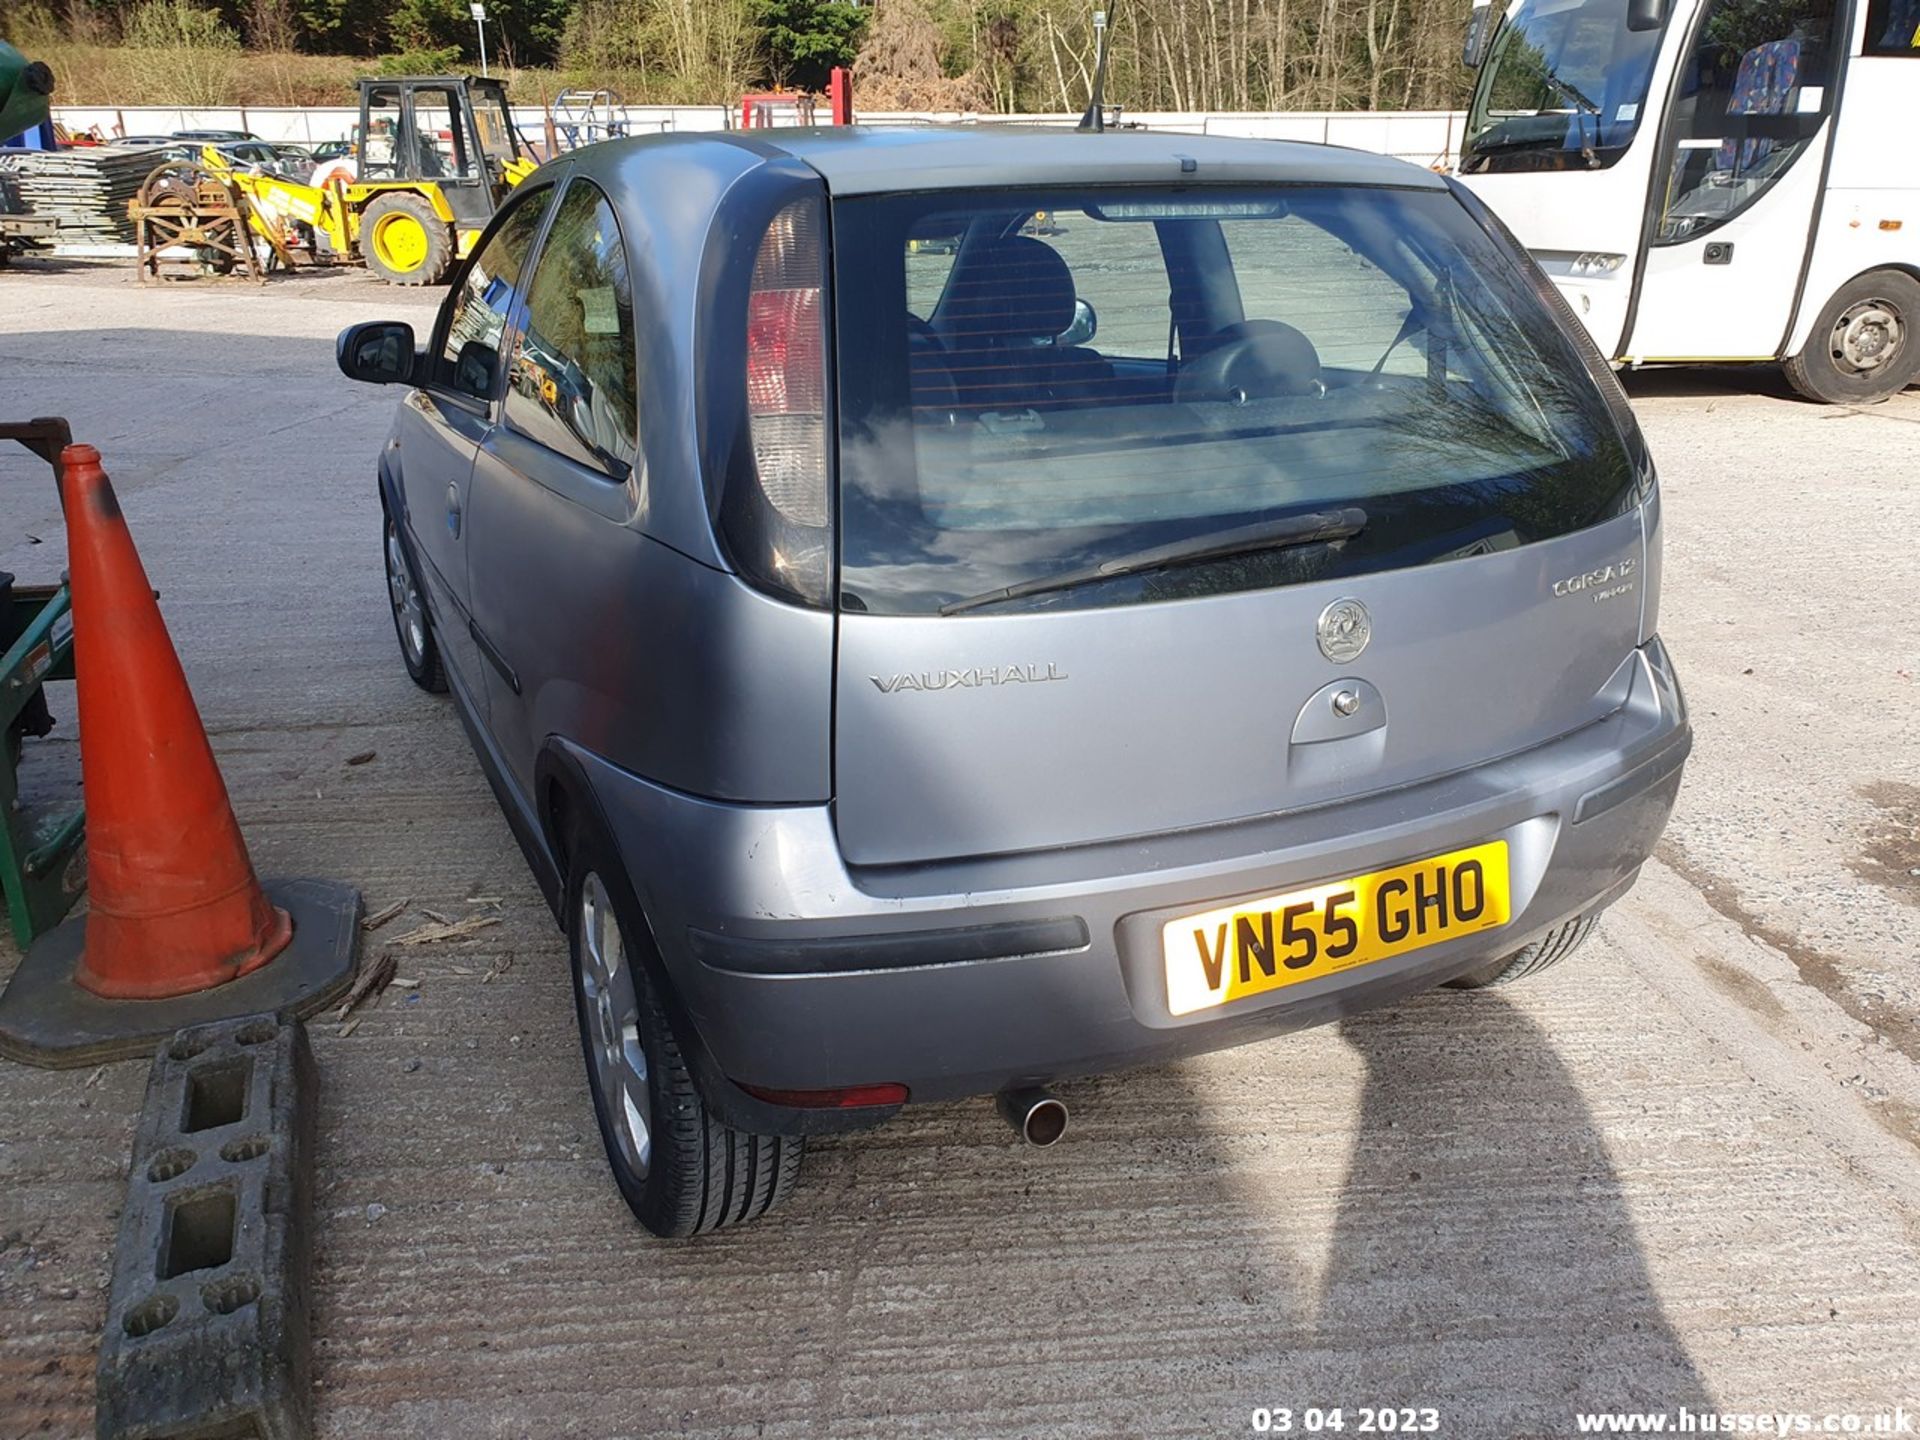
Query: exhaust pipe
[[1039, 1115]]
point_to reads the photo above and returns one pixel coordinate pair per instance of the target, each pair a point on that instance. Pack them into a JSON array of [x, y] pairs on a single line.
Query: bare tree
[[272, 25]]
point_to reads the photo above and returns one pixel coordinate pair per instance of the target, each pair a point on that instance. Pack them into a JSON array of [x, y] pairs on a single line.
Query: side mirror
[[476, 368], [1646, 14], [1084, 327], [380, 352], [1480, 25]]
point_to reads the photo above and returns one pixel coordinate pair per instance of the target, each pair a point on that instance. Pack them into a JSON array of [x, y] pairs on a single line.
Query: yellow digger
[[435, 156]]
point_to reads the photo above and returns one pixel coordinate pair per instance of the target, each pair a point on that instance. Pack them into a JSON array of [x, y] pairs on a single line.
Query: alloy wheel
[[611, 1004], [408, 608]]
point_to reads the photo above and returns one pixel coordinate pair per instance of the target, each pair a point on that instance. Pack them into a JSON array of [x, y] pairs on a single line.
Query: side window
[[1753, 93], [477, 312], [1293, 271], [575, 383], [930, 252], [1893, 28]]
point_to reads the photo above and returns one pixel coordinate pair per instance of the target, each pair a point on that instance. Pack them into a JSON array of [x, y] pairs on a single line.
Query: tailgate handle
[[1339, 710]]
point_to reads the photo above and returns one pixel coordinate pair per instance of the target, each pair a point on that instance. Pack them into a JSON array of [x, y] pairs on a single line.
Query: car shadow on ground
[[1482, 1208], [1236, 1234]]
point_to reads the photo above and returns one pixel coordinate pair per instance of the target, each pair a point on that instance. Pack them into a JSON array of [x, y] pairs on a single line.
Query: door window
[[1893, 28], [1753, 93], [574, 384], [442, 149], [478, 309]]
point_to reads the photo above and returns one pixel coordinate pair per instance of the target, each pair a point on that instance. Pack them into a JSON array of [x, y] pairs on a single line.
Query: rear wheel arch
[[564, 800], [567, 805], [563, 797]]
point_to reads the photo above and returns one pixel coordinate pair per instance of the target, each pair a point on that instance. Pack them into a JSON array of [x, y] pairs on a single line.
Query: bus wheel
[[404, 241], [1863, 347]]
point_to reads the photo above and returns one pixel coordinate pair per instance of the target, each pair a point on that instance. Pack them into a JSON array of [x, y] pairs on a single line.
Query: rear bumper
[[962, 978]]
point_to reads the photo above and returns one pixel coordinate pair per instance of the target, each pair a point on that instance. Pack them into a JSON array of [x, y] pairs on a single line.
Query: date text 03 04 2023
[[1259, 945]]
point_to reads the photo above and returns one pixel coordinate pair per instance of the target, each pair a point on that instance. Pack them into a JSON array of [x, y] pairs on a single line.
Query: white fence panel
[[1425, 137]]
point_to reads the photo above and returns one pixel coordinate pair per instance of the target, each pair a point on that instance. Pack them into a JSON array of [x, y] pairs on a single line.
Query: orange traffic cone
[[174, 903], [180, 930]]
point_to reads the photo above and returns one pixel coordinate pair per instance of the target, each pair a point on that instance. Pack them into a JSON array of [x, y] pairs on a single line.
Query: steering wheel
[[1252, 360]]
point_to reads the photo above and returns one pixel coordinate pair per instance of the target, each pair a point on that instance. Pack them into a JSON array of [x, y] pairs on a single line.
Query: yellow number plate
[[1277, 940]]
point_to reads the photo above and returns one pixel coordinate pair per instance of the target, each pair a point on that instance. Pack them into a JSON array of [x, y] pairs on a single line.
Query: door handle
[[453, 508]]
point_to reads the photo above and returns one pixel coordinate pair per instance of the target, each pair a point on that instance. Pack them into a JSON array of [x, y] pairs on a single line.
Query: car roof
[[872, 159]]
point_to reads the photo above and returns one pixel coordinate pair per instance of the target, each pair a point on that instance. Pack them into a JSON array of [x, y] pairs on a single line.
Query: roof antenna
[[1095, 118]]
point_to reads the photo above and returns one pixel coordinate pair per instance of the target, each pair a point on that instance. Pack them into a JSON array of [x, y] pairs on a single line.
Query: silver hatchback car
[[949, 610]]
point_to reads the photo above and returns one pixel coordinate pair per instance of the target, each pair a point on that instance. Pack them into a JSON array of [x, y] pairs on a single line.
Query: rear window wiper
[[1315, 528]]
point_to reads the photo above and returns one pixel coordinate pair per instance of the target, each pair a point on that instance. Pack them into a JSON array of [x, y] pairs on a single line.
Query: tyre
[[681, 1170], [418, 649], [1550, 949], [1863, 347], [404, 241]]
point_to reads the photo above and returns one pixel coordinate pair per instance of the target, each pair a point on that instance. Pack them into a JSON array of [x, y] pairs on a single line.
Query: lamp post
[[480, 23], [1096, 118]]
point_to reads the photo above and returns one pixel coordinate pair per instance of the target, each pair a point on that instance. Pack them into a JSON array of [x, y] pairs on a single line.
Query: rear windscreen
[[1100, 397]]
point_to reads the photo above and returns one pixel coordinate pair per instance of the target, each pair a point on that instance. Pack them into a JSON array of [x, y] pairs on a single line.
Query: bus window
[[1563, 88], [1753, 93], [1893, 28]]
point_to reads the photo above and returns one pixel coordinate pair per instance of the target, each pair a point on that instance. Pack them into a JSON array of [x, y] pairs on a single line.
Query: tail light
[[780, 524]]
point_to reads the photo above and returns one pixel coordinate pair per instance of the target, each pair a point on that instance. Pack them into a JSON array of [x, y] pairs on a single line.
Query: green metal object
[[42, 859], [26, 87]]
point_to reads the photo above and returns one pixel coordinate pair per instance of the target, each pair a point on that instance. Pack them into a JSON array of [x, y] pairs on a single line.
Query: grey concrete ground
[[1681, 1170]]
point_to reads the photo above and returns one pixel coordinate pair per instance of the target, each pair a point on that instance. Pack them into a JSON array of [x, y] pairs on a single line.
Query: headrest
[[1258, 359], [1012, 288]]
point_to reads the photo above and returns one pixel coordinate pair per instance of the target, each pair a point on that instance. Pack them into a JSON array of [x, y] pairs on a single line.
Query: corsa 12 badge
[[1605, 583]]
